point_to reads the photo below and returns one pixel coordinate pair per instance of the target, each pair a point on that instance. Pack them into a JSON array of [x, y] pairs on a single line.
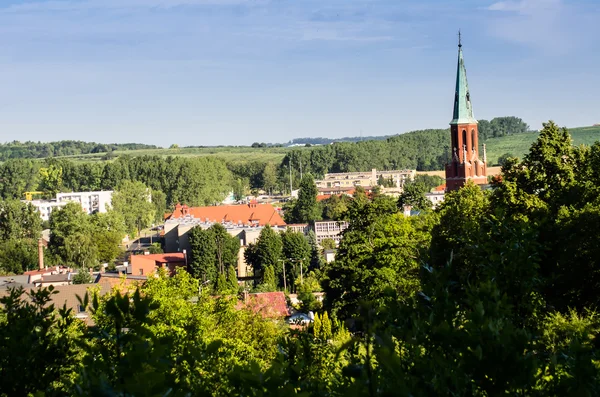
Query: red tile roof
[[268, 304], [263, 214], [440, 188]]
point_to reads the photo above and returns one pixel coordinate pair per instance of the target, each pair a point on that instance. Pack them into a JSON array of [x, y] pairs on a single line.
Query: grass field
[[518, 145], [228, 153]]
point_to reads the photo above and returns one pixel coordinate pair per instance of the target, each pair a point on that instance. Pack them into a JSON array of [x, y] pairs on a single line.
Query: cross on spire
[[459, 39]]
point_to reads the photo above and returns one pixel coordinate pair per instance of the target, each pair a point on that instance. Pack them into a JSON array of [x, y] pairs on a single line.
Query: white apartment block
[[45, 207], [365, 179], [90, 202], [330, 229]]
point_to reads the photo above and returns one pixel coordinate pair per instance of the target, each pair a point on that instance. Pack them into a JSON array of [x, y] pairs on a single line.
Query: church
[[465, 163]]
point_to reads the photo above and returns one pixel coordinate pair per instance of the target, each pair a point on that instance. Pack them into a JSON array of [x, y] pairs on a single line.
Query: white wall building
[[90, 202], [45, 207]]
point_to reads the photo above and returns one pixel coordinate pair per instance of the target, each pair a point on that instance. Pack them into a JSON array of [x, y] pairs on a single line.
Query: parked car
[[300, 318]]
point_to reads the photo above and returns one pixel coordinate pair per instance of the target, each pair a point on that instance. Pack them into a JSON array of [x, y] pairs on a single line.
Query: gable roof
[[263, 214], [268, 304]]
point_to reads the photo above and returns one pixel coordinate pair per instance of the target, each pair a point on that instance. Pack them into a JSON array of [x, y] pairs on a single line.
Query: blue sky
[[207, 72]]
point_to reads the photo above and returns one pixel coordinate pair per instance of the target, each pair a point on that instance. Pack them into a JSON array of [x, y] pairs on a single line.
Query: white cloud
[[528, 7], [554, 27]]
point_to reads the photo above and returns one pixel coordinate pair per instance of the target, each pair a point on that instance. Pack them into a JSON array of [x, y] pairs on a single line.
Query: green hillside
[[519, 144], [372, 151], [228, 153]]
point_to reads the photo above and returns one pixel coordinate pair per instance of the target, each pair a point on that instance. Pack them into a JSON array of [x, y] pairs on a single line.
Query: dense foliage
[[32, 150], [492, 293], [193, 181]]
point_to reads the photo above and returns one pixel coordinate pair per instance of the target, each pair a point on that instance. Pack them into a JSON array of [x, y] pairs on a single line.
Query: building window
[[141, 272]]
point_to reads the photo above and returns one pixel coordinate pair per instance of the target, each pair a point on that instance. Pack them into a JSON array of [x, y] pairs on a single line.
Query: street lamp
[[299, 260], [284, 281]]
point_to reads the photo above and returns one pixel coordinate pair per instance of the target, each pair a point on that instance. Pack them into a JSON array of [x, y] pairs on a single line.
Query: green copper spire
[[463, 110]]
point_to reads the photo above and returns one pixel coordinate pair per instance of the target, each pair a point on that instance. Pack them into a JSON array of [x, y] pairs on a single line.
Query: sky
[[233, 72]]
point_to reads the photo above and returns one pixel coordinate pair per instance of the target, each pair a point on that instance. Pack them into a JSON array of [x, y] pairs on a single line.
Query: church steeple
[[463, 110], [465, 163]]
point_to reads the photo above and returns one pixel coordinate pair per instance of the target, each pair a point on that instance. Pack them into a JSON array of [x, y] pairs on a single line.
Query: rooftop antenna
[[459, 39]]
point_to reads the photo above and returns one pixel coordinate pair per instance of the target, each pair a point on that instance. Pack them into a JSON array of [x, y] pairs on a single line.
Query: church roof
[[463, 109]]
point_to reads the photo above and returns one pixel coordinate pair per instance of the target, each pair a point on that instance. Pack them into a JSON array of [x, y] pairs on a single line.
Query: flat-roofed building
[[365, 179]]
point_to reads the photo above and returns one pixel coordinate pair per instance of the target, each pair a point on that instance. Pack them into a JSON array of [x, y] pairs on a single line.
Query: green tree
[[19, 220], [269, 178], [377, 262], [35, 334], [268, 283], [413, 195], [80, 251], [18, 255], [159, 200], [328, 244], [203, 254], [132, 200], [232, 279], [268, 252], [212, 251], [68, 226], [306, 208], [239, 189], [108, 231], [51, 179], [296, 251], [502, 160], [82, 277], [335, 207]]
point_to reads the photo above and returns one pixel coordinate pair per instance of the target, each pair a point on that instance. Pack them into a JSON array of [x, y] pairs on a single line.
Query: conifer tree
[[326, 326], [317, 326], [232, 279]]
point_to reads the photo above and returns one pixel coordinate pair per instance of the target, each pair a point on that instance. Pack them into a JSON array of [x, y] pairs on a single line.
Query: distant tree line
[[193, 181], [494, 128], [34, 150], [423, 150]]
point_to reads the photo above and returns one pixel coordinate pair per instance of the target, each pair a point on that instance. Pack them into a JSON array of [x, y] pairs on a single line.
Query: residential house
[[436, 196], [144, 265], [267, 304]]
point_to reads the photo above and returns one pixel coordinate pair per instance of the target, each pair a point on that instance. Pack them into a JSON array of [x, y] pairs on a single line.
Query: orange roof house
[[144, 265], [247, 214], [267, 304]]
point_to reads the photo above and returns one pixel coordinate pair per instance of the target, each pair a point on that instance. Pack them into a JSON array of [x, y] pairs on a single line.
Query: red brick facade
[[465, 162]]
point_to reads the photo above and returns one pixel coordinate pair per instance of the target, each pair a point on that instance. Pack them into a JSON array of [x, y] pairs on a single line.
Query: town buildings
[[329, 230], [348, 180], [465, 163], [90, 202], [436, 196], [243, 221], [144, 265]]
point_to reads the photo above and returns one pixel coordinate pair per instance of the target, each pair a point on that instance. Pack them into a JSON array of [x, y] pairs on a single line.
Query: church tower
[[465, 163]]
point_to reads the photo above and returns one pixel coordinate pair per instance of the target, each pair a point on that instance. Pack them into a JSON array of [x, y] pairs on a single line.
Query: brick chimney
[[41, 253]]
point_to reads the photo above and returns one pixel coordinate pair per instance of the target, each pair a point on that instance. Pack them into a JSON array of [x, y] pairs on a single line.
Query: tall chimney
[[41, 253]]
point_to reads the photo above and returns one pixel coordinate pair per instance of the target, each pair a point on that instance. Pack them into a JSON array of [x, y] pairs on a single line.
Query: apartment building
[[365, 179], [329, 229], [90, 202]]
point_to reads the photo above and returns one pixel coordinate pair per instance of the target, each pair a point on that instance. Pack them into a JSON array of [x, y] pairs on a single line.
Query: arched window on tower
[[473, 138], [464, 139]]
